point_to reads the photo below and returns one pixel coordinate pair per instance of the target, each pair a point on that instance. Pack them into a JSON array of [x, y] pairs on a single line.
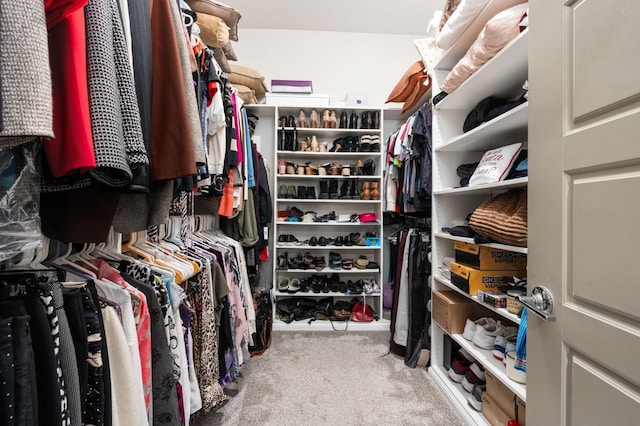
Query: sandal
[[320, 263], [362, 262], [347, 264], [283, 285], [294, 285]]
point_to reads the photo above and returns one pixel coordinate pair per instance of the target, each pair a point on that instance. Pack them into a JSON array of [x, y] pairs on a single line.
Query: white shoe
[[485, 337], [470, 326]]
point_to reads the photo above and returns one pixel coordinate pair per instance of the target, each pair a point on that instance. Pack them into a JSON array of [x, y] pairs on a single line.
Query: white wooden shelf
[[512, 125], [282, 294], [486, 188], [325, 130], [322, 325], [492, 245], [491, 364], [457, 396], [500, 311], [329, 271], [316, 177], [325, 201], [342, 206], [327, 247], [502, 76], [376, 223], [327, 154]]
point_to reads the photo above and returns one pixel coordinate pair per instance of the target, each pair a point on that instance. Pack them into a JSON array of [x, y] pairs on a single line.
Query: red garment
[[71, 150], [58, 10]]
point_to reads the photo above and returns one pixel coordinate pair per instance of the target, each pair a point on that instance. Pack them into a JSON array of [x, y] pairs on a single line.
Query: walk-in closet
[[318, 213]]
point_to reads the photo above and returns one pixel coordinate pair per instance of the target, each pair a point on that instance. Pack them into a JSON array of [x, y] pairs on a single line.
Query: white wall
[[337, 62]]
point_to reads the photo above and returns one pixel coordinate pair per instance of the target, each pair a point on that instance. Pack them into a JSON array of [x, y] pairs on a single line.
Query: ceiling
[[362, 16]]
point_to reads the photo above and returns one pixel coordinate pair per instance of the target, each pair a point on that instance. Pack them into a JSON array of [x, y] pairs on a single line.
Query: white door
[[584, 212]]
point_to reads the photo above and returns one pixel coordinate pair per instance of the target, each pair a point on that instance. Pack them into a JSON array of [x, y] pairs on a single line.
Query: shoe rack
[[502, 76], [328, 167]]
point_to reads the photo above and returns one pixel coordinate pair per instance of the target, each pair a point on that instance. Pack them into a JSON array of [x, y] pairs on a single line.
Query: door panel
[[590, 382], [592, 23], [584, 205], [603, 216]]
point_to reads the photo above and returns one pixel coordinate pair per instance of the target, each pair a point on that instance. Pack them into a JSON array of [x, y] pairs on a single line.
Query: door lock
[[540, 303]]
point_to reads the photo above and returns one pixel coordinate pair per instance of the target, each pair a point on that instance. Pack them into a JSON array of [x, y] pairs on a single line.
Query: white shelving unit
[[303, 231], [502, 76]]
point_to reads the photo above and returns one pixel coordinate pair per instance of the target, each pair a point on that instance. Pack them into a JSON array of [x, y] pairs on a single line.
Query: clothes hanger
[[62, 262]]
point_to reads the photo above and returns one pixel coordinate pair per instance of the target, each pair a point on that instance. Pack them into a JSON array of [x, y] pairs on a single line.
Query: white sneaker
[[485, 337], [470, 327], [503, 344]]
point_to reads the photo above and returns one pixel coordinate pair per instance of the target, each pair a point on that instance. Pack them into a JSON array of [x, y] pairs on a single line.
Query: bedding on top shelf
[[495, 35]]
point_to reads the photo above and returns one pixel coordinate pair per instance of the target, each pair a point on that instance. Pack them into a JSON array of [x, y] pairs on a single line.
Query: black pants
[[19, 398]]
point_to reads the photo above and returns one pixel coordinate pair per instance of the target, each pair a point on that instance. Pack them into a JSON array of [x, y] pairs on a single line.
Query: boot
[[294, 139], [291, 191], [302, 192], [364, 120], [344, 190], [324, 189], [365, 193], [343, 120], [333, 189], [354, 191], [375, 120], [282, 140], [353, 121], [369, 168], [375, 192], [288, 142], [311, 193]]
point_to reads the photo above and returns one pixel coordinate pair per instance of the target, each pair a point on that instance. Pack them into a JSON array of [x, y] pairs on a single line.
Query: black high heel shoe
[[364, 120], [343, 120], [353, 121], [282, 121]]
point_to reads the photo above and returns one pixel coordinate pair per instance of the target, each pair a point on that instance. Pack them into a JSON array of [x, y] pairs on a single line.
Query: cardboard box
[[494, 298], [521, 409], [472, 280], [291, 86], [489, 258], [451, 310], [501, 395], [295, 100], [492, 411]]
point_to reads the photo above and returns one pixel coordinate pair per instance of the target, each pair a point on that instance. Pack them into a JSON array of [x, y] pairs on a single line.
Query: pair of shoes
[[475, 399], [370, 143], [371, 286], [289, 286], [306, 193], [287, 239], [329, 120], [474, 376], [282, 261], [470, 326], [485, 337], [504, 344]]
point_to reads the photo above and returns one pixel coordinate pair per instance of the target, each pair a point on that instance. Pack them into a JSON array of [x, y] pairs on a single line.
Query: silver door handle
[[540, 303]]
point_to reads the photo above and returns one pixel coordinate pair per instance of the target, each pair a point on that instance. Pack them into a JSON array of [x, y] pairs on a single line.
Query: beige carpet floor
[[331, 378]]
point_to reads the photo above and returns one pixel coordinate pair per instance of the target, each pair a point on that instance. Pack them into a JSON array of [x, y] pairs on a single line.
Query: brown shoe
[[375, 192]]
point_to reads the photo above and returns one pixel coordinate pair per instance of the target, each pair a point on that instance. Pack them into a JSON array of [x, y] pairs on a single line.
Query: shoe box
[[495, 415], [451, 309], [471, 280], [521, 409], [488, 258], [501, 395]]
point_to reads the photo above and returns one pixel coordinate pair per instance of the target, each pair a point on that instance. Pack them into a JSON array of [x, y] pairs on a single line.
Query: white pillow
[[458, 22], [470, 16], [495, 164]]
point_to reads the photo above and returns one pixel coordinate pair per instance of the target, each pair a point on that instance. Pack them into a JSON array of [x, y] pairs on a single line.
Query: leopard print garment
[[205, 337]]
